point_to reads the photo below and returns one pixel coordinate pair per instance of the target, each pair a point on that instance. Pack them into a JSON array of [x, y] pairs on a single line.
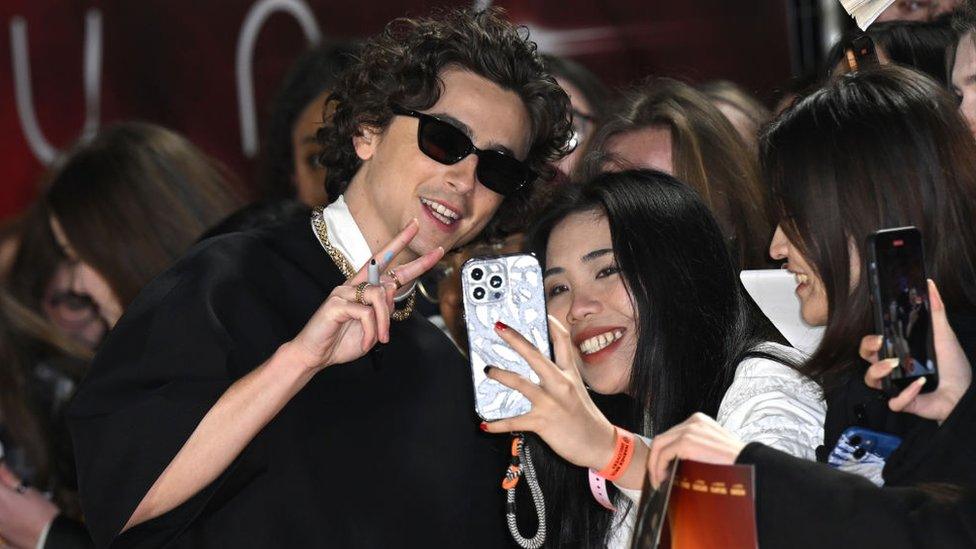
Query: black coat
[[381, 452], [805, 504]]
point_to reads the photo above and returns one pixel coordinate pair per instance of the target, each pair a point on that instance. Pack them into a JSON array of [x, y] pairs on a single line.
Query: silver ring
[[22, 488]]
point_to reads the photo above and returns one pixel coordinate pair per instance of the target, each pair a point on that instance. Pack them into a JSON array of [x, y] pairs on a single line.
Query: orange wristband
[[623, 452]]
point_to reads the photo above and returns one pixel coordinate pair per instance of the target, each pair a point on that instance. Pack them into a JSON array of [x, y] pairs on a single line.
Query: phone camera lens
[[495, 281], [477, 274], [859, 453], [855, 440], [479, 293]]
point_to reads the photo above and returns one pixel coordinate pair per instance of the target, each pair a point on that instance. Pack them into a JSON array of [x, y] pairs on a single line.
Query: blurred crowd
[[692, 184]]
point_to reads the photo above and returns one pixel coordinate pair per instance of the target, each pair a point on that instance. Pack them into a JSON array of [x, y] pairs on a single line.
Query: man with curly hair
[[242, 399]]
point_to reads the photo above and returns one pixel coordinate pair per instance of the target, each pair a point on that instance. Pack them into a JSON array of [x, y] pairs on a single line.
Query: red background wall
[[173, 61]]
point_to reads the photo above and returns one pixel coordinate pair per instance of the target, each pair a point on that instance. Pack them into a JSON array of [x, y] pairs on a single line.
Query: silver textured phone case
[[518, 301]]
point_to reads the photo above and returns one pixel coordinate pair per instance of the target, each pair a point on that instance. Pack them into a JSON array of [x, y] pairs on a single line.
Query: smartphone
[[902, 315], [862, 54], [506, 288], [860, 445]]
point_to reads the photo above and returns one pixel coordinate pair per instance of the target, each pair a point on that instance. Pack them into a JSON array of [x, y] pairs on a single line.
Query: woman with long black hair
[[877, 149], [646, 305]]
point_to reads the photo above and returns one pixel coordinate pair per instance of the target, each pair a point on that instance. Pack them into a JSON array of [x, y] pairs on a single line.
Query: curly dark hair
[[402, 66]]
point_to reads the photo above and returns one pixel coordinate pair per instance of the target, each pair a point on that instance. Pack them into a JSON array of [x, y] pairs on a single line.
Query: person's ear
[[366, 141]]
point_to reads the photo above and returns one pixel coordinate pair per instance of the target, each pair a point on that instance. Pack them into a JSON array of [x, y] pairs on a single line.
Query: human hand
[[24, 512], [562, 412], [343, 328], [955, 373], [700, 438]]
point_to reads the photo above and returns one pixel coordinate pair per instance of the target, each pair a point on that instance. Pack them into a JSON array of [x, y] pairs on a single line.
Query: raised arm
[[341, 330]]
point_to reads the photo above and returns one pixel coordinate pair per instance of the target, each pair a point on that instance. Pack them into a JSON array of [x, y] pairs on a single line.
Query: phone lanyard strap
[[521, 465]]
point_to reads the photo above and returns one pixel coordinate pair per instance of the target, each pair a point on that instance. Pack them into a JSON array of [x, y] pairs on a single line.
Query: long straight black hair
[[876, 149], [693, 327]]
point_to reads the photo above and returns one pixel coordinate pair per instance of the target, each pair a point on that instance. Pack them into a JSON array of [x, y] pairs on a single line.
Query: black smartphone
[[861, 54], [902, 314]]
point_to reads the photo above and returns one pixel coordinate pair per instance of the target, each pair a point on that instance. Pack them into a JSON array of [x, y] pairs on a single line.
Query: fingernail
[[921, 381], [893, 363], [484, 426], [487, 369], [501, 326], [878, 340]]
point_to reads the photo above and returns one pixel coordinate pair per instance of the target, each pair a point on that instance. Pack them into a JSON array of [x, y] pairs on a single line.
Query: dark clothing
[[805, 504], [855, 404], [66, 533], [381, 452], [801, 503]]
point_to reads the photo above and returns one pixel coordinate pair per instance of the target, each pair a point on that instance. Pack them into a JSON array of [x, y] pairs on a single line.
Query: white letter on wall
[[38, 144], [253, 22]]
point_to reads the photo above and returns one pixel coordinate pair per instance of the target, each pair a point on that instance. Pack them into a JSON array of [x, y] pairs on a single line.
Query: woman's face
[[917, 10], [645, 148], [809, 287], [309, 174], [87, 281], [964, 78], [582, 125], [585, 291]]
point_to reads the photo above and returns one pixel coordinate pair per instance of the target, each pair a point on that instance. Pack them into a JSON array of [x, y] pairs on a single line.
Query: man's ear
[[366, 141]]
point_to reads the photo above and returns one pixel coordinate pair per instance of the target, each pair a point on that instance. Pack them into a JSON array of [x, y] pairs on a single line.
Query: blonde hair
[[709, 156]]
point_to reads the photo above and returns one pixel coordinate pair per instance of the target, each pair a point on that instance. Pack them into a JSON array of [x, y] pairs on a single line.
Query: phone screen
[[902, 305], [861, 54]]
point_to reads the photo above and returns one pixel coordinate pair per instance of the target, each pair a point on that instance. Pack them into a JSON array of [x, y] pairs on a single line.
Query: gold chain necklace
[[322, 235]]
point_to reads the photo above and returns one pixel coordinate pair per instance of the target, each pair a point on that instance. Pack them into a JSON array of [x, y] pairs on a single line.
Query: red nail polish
[[484, 426], [501, 326]]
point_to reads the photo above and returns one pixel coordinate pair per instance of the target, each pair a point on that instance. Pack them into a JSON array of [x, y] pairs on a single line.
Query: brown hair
[[878, 148], [709, 156], [134, 199], [25, 339], [402, 66], [730, 93]]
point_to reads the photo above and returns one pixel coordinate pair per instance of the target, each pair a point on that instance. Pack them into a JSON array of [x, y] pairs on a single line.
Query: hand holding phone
[[902, 313], [563, 414], [955, 373], [507, 289]]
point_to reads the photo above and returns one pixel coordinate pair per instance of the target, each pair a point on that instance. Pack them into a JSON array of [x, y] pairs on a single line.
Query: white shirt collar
[[345, 234]]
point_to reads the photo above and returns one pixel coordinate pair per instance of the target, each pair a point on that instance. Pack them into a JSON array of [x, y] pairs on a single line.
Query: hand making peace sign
[[349, 323]]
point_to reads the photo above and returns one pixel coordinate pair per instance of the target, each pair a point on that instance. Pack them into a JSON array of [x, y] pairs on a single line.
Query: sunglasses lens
[[442, 141], [501, 173], [446, 144]]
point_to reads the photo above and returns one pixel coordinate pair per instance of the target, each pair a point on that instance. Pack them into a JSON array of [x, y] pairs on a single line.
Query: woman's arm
[[563, 413], [771, 403], [801, 503]]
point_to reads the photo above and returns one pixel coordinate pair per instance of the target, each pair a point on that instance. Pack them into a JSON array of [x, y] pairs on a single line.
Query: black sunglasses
[[445, 143]]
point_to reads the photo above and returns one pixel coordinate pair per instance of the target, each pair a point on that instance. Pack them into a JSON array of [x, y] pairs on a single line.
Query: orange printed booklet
[[708, 506]]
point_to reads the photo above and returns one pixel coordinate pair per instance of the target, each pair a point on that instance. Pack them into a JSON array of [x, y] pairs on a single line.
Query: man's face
[[398, 182], [964, 79]]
